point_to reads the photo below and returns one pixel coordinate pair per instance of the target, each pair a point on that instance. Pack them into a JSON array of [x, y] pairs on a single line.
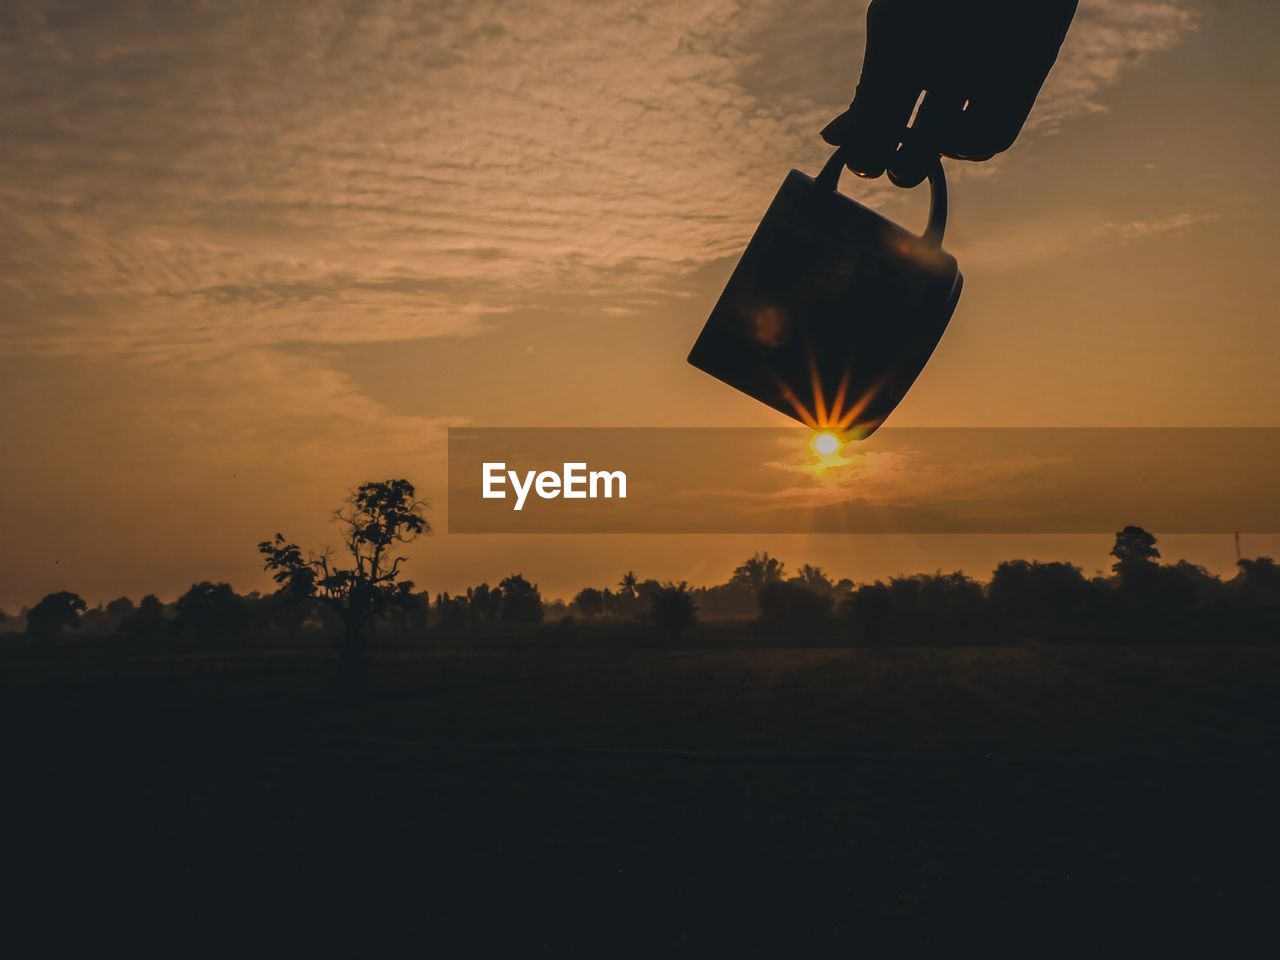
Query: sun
[[826, 443]]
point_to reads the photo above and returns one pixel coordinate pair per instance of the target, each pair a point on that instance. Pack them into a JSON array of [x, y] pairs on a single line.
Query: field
[[617, 793]]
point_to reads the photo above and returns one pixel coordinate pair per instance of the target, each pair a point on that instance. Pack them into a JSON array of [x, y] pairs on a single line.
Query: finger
[[873, 126], [933, 127], [871, 129], [1004, 89], [989, 125]]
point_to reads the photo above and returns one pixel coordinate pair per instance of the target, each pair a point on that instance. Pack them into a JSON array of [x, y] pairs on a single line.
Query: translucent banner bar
[[902, 480]]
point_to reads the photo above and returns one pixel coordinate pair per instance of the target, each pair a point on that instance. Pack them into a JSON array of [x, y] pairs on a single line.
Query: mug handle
[[829, 179]]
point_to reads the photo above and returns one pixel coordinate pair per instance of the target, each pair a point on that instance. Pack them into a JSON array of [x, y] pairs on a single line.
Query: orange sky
[[255, 252]]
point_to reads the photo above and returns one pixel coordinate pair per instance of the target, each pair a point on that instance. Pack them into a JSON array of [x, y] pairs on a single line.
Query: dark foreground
[[1040, 799]]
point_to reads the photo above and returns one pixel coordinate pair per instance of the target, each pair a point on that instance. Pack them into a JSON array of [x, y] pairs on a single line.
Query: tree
[[867, 609], [147, 620], [521, 601], [815, 578], [1134, 549], [757, 570], [212, 611], [96, 621], [589, 601], [1258, 582], [627, 585], [671, 607], [118, 611], [1023, 592], [936, 602], [1150, 599], [284, 614], [376, 518], [924, 603], [629, 601], [483, 603], [414, 614], [54, 613], [792, 607], [451, 612], [1200, 588]]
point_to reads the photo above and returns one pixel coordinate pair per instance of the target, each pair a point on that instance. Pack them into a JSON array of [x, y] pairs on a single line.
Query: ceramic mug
[[832, 311]]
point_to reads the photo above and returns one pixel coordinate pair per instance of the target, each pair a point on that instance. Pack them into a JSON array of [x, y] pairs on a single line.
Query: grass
[[719, 796]]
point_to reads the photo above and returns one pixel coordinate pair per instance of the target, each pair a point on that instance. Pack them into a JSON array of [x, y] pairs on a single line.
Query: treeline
[[1141, 597]]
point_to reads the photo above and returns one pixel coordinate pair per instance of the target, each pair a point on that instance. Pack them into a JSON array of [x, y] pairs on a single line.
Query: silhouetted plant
[[377, 517], [866, 609], [1202, 587], [756, 571], [95, 621], [1149, 598], [1258, 582], [589, 601], [672, 608], [484, 603], [451, 612], [54, 613], [814, 578], [793, 607], [1134, 549], [1022, 592], [936, 603], [414, 613], [212, 611], [627, 586], [727, 600], [118, 611], [939, 603], [630, 600], [286, 614], [521, 601], [147, 621]]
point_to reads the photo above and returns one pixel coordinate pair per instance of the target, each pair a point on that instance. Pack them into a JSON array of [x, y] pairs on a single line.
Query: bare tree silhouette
[[377, 517]]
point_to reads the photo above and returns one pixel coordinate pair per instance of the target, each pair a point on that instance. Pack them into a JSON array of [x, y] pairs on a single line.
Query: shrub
[[672, 608], [792, 607], [521, 601], [212, 611], [54, 613]]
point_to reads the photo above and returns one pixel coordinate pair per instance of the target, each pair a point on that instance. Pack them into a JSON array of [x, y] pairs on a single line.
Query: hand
[[981, 64]]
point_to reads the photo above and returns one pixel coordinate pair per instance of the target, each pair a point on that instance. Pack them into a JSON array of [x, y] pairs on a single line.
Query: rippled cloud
[[185, 180]]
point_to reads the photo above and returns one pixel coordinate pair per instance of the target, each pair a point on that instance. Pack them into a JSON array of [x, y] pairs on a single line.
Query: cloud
[[294, 171], [197, 179], [1039, 242], [1107, 39], [1141, 229]]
